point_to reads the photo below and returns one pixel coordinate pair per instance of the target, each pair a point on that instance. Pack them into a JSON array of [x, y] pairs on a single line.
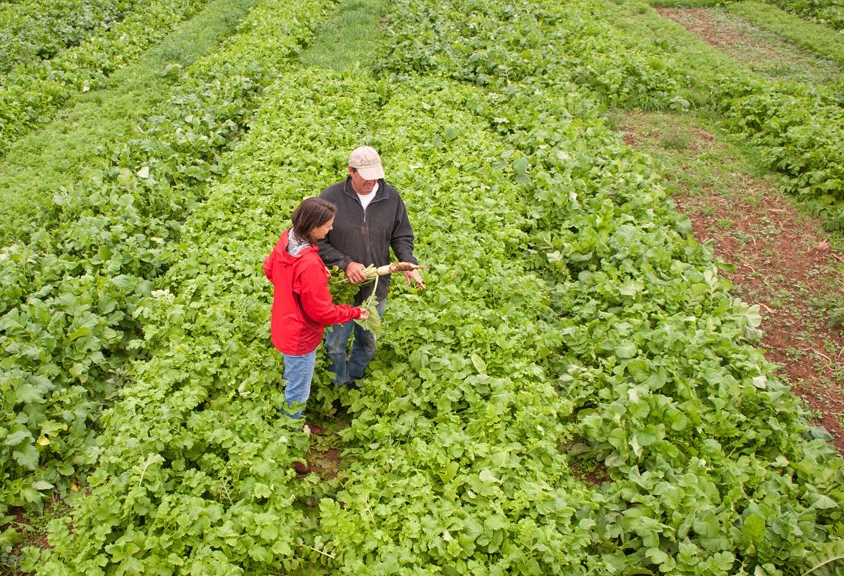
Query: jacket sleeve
[[401, 240], [332, 256], [329, 254], [316, 298]]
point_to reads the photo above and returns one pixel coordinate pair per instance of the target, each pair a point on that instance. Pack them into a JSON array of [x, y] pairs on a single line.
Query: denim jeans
[[363, 349], [298, 372]]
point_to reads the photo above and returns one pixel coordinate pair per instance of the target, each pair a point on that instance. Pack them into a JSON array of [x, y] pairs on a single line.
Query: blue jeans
[[298, 372], [363, 349]]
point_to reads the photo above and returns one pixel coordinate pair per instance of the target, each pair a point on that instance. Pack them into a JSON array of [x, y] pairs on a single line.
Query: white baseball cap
[[367, 162]]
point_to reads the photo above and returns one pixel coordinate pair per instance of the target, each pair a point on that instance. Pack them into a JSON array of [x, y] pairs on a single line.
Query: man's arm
[[331, 256], [401, 240], [402, 245]]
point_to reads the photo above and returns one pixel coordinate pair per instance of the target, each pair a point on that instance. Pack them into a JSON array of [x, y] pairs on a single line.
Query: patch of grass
[[678, 141], [819, 39], [347, 40], [831, 305], [691, 149], [49, 159]]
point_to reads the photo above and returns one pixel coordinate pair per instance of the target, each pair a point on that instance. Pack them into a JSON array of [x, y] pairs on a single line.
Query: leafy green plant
[[828, 12], [70, 298], [572, 304], [34, 90]]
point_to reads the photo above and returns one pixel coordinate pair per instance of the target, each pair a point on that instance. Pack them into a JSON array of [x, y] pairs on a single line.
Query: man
[[371, 218]]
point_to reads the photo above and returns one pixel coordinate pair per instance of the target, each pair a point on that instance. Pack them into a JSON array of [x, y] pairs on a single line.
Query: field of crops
[[577, 391]]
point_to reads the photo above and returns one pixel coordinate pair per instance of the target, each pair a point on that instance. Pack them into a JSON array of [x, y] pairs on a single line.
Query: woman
[[302, 304]]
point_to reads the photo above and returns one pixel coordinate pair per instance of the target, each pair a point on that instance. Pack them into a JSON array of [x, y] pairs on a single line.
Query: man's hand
[[354, 272], [413, 276]]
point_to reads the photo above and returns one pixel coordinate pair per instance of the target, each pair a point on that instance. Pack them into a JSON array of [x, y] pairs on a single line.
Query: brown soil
[[782, 261], [325, 464], [701, 22]]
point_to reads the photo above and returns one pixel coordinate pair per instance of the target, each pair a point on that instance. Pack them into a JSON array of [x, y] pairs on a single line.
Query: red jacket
[[301, 301]]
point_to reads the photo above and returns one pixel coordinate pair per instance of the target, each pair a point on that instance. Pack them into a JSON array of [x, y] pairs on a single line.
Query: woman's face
[[322, 231]]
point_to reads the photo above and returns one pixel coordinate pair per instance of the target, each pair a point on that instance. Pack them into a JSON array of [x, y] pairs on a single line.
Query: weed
[[832, 306], [677, 141]]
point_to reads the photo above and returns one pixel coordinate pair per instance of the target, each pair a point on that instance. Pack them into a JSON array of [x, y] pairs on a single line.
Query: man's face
[[359, 185]]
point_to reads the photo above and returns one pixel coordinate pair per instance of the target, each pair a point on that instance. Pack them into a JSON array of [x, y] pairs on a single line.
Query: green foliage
[[569, 306], [596, 318], [541, 42], [33, 90], [70, 298], [39, 29], [828, 562], [53, 158], [827, 12], [342, 291], [814, 37], [797, 131]]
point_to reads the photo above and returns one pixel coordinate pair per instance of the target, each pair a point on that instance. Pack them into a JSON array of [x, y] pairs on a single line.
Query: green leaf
[[488, 477], [27, 457], [625, 350], [496, 522], [824, 502], [753, 528], [42, 485], [478, 363], [17, 437]]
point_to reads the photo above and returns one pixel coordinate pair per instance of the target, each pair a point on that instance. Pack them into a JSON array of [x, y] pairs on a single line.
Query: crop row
[[571, 318], [67, 328], [797, 129], [828, 12], [33, 90], [39, 29]]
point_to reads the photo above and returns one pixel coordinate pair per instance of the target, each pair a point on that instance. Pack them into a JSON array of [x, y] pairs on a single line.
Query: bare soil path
[[782, 258], [783, 263]]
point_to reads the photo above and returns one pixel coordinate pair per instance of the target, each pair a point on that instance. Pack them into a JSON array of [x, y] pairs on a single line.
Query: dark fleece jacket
[[367, 236]]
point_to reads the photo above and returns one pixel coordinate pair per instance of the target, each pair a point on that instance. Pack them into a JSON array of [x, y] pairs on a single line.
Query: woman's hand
[[364, 313]]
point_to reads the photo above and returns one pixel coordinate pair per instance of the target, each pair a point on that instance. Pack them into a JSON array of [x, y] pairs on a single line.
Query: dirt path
[[782, 259], [782, 262]]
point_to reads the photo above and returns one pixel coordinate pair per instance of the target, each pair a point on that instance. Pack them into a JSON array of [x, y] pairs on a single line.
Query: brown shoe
[[301, 468], [315, 430]]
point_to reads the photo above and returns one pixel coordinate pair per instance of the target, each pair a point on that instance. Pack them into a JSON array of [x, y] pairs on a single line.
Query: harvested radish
[[371, 272], [343, 290], [397, 267]]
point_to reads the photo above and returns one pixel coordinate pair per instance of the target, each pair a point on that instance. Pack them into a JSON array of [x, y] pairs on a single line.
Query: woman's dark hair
[[310, 214]]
